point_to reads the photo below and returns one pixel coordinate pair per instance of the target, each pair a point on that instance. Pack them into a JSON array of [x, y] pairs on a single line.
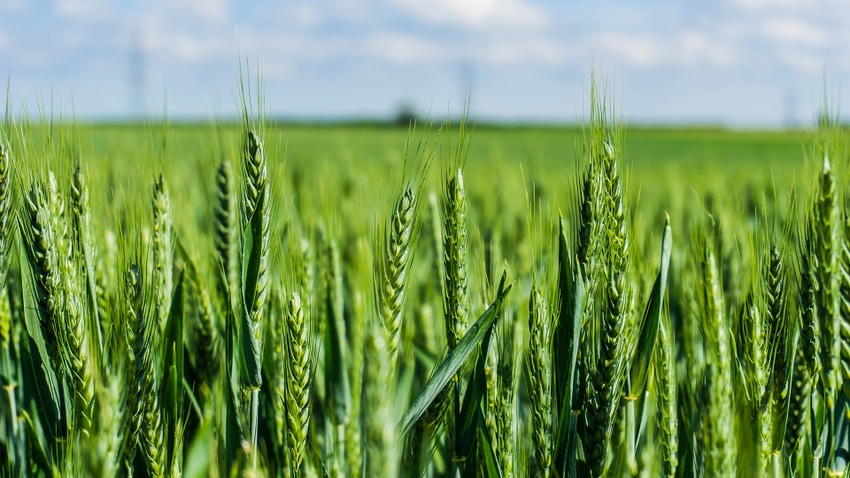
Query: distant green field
[[663, 161]]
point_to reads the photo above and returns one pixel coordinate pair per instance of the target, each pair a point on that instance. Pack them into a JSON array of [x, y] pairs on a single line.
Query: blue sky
[[738, 62]]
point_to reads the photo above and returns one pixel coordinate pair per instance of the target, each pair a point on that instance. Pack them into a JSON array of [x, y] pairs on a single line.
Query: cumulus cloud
[[209, 10], [792, 30], [172, 44], [802, 62], [664, 49], [87, 11], [477, 14], [305, 16], [530, 50], [400, 47]]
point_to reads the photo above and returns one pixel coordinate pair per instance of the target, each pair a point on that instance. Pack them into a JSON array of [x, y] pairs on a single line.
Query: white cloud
[[305, 16], [192, 47], [525, 50], [400, 47], [696, 47], [681, 49], [802, 7], [642, 51], [795, 31], [84, 10], [278, 70], [210, 10], [802, 62], [477, 14]]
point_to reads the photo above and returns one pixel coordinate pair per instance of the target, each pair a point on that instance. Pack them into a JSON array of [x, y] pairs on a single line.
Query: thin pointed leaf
[[232, 432], [172, 391], [252, 253], [335, 370], [841, 438], [198, 459], [565, 437], [565, 328], [251, 353], [489, 465], [36, 450], [819, 418], [651, 319], [471, 418], [453, 361]]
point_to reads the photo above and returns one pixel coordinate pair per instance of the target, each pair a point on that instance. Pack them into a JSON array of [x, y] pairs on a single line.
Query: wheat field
[[245, 306]]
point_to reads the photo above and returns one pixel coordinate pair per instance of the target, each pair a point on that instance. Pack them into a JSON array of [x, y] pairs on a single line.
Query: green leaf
[[651, 318], [565, 327], [251, 353], [565, 436], [252, 251], [453, 361], [36, 450], [490, 465], [252, 255], [841, 434], [336, 375], [471, 418], [820, 417], [232, 431], [172, 344], [197, 464]]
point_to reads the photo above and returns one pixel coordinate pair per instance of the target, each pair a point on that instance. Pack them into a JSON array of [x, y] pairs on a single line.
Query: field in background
[[663, 161]]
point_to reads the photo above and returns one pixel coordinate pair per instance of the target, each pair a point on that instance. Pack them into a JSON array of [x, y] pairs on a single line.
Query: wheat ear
[[298, 381]]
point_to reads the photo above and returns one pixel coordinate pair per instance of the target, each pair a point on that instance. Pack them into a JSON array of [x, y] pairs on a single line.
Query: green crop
[[261, 299]]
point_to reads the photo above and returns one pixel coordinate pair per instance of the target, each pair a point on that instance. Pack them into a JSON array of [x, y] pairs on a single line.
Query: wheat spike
[[255, 175], [844, 310], [42, 254], [455, 249], [298, 381], [134, 374], [607, 378], [807, 356], [225, 224], [667, 387], [716, 393], [208, 339], [5, 244], [539, 372], [146, 396], [827, 249], [393, 270], [162, 250]]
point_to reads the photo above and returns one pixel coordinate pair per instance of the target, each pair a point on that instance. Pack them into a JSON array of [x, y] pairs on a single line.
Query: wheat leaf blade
[[172, 396], [253, 258], [453, 361], [566, 420], [651, 319]]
